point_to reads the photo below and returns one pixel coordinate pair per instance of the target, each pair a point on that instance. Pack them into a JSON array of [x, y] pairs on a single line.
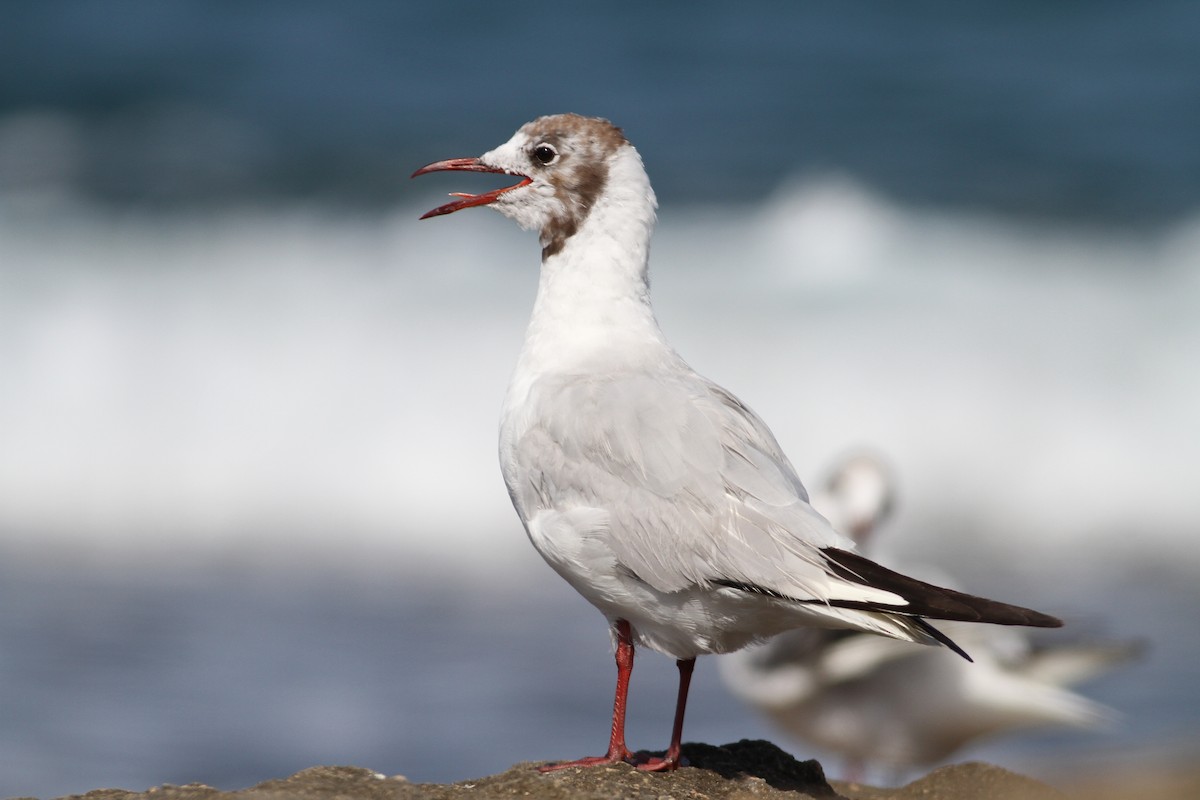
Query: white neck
[[593, 303]]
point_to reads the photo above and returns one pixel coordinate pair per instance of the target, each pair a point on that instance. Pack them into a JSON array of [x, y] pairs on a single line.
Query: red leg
[[617, 751], [672, 760]]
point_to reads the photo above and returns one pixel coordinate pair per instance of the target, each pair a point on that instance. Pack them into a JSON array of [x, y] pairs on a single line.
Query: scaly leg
[[672, 760], [617, 751]]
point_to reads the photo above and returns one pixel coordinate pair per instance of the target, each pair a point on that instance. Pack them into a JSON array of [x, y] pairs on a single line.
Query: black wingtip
[[942, 638], [928, 600]]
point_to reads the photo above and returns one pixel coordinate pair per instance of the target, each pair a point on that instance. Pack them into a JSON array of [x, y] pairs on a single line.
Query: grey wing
[[693, 487]]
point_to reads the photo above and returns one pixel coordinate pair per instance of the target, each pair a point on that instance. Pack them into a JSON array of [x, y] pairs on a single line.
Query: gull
[[658, 495], [876, 701], [857, 495]]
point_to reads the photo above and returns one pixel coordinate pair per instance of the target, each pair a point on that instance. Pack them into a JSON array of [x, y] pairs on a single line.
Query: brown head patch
[[579, 175]]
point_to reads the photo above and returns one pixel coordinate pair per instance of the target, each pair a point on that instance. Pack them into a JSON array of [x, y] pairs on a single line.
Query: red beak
[[468, 200]]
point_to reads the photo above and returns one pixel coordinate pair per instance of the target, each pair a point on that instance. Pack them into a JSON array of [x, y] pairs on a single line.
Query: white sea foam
[[222, 380]]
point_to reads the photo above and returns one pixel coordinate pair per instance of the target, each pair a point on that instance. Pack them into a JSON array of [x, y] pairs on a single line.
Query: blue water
[[1082, 110], [250, 514]]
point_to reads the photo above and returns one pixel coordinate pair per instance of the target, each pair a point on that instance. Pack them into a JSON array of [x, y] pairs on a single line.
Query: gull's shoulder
[[665, 419]]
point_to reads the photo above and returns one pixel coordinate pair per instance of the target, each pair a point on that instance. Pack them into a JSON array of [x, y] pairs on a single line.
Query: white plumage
[[658, 495]]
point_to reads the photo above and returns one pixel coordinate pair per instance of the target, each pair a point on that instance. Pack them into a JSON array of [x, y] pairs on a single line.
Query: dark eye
[[544, 153]]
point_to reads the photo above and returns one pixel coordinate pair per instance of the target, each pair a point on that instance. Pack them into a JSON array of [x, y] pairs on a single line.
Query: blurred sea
[[250, 513]]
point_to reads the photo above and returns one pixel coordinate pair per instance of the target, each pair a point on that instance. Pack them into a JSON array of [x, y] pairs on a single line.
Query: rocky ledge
[[739, 771]]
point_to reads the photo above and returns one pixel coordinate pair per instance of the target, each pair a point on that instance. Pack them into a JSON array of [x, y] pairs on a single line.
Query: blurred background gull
[[250, 513], [887, 710]]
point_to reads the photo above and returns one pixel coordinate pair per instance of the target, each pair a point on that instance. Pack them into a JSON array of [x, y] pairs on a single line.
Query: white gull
[[658, 495]]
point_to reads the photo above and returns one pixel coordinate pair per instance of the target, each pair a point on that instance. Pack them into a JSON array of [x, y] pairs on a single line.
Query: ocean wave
[[219, 381]]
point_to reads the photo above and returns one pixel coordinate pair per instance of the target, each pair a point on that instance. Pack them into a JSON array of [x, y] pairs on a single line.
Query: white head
[[565, 163], [858, 494]]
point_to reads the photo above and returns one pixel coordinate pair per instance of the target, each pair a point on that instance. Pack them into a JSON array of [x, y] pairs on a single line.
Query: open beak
[[468, 200]]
